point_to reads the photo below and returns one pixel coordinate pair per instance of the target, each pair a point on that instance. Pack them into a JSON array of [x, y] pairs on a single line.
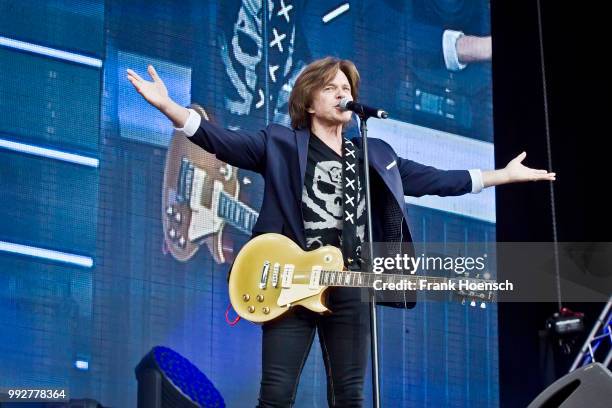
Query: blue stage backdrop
[[90, 279]]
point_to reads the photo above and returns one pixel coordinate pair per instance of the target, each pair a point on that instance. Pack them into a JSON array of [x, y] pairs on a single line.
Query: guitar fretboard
[[366, 279], [236, 213]]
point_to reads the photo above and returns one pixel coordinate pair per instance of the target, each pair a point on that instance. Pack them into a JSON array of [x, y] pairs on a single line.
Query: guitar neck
[[237, 214], [366, 279]]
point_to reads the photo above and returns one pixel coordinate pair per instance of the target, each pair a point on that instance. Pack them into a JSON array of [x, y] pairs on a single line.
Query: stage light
[[168, 380], [49, 153], [50, 52], [81, 365], [44, 253]]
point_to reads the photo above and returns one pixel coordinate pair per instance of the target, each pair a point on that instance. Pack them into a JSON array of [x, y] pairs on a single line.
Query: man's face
[[324, 108]]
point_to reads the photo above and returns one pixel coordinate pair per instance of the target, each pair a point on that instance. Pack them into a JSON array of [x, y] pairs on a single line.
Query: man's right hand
[[156, 94]]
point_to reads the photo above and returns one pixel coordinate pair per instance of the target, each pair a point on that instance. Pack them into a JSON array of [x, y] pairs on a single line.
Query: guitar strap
[[351, 190]]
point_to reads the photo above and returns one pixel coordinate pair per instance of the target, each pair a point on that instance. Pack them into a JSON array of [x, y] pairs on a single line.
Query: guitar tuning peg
[[463, 301], [483, 305], [246, 181], [473, 303], [169, 211]]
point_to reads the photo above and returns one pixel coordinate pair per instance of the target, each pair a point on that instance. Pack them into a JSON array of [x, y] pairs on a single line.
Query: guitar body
[[196, 196], [190, 220], [252, 288]]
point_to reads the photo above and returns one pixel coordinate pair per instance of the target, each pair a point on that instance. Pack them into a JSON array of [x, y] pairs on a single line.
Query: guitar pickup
[[287, 276], [275, 272], [264, 275], [315, 275], [200, 183], [185, 178]]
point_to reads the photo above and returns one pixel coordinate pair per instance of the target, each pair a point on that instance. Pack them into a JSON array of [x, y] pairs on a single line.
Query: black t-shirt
[[322, 197]]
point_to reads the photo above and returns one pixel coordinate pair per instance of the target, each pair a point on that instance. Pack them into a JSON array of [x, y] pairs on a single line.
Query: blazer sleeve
[[419, 180], [246, 150]]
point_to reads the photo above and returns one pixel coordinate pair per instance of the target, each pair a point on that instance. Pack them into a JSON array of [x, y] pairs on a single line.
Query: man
[[313, 196]]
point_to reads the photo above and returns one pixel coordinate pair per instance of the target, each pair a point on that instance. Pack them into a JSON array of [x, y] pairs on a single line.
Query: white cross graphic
[[350, 183], [277, 40], [349, 200], [349, 217], [284, 11], [350, 152], [350, 167]]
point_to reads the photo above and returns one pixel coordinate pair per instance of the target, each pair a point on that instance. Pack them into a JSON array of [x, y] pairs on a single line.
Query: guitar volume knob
[[246, 297], [260, 298], [266, 309], [251, 309]]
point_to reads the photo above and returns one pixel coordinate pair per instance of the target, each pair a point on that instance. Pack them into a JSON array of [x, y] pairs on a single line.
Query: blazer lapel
[[301, 139], [379, 160]]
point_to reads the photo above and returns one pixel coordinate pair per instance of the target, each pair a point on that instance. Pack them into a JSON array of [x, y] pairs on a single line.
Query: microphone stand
[[372, 297]]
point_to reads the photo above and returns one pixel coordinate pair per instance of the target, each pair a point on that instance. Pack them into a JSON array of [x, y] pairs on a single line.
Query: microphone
[[362, 110]]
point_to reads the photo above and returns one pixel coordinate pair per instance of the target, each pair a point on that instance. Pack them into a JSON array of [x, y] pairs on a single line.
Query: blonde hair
[[313, 78]]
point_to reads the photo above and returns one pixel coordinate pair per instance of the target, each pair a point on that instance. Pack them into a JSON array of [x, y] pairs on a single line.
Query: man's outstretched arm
[[239, 148], [515, 172], [156, 94]]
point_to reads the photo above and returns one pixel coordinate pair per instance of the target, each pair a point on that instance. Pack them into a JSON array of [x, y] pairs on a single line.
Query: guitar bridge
[[263, 281]]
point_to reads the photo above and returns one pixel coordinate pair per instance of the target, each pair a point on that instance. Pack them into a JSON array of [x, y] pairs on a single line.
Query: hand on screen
[[474, 49], [154, 92]]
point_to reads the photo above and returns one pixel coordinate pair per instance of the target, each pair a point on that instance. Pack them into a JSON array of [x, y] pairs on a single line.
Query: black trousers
[[344, 336]]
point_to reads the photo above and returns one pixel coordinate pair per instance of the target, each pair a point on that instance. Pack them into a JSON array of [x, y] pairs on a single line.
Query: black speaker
[[589, 386]]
